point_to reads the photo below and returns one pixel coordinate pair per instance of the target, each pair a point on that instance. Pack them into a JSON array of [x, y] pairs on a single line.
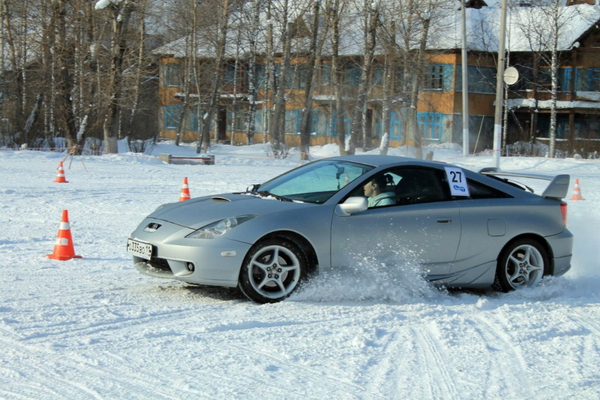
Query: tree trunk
[[306, 115], [277, 127], [359, 117], [335, 10], [111, 126], [414, 98], [63, 79], [213, 103]]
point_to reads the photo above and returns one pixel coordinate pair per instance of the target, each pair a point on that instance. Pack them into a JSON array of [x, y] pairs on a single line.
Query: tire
[[272, 270], [521, 264]]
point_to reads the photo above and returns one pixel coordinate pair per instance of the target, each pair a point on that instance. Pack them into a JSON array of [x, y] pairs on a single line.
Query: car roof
[[377, 160]]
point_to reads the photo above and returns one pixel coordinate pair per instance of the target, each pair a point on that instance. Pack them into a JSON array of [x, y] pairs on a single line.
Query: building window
[[239, 121], [431, 126], [230, 70], [171, 74], [402, 82], [320, 123], [346, 123], [438, 77], [325, 74], [434, 77], [378, 71], [292, 121], [587, 79], [172, 114], [192, 119], [480, 79], [301, 77], [395, 126], [595, 79], [352, 74]]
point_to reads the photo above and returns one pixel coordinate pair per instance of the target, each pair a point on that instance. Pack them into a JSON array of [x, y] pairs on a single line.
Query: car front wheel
[[521, 264], [272, 270]]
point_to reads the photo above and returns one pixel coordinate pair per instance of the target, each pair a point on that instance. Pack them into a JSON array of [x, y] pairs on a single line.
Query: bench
[[169, 159]]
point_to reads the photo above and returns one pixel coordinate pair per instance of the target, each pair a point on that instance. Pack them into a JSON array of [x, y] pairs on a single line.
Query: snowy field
[[95, 328]]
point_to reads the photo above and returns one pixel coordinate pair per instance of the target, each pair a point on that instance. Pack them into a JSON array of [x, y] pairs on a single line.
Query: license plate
[[139, 249]]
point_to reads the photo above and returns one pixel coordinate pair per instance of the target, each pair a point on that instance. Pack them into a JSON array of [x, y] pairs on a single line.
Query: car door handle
[[444, 221]]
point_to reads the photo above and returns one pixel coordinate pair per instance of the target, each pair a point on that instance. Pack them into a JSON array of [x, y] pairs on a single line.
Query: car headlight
[[219, 228]]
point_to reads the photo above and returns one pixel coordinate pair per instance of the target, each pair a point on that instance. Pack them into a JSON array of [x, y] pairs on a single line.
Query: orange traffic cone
[[63, 249], [185, 191], [577, 192], [60, 177]]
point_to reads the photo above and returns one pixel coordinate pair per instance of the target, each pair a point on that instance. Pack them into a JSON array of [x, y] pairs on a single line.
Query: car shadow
[[215, 292]]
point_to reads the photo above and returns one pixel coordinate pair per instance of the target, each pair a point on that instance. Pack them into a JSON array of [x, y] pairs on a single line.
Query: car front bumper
[[214, 262]]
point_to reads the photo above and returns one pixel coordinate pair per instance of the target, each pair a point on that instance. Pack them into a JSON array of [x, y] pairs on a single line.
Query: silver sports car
[[466, 229]]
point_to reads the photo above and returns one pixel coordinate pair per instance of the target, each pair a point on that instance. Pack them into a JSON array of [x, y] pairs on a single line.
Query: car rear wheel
[[521, 264], [272, 270]]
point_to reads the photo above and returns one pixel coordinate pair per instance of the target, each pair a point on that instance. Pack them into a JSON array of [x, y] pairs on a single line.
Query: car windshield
[[313, 183]]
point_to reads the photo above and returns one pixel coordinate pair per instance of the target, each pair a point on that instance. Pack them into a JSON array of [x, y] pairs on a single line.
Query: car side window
[[480, 191], [420, 185], [407, 185]]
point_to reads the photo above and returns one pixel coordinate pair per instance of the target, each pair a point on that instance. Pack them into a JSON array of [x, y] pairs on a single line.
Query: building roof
[[527, 30]]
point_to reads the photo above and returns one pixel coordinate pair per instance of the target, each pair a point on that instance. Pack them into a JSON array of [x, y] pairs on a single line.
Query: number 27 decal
[[457, 181]]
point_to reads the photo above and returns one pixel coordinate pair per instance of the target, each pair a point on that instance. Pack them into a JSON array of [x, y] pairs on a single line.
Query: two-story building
[[439, 109]]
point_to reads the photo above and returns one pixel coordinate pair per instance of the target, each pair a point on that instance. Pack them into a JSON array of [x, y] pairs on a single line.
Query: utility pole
[[499, 86], [465, 83]]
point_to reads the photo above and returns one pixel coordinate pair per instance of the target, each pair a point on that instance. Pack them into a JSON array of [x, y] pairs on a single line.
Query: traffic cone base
[[63, 248], [60, 177], [185, 191], [577, 192]]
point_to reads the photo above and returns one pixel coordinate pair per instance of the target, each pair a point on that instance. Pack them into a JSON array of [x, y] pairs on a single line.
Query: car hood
[[200, 211]]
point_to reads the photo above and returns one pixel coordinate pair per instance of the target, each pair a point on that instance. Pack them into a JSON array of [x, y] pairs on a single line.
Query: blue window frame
[[438, 77], [172, 114], [346, 122], [291, 121], [565, 76], [395, 126], [192, 119], [430, 125], [587, 79]]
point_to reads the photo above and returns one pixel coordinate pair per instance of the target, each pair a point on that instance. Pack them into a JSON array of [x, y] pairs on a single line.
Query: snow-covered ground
[[95, 328]]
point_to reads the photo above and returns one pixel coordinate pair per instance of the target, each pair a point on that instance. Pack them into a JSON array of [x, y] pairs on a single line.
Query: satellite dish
[[511, 75]]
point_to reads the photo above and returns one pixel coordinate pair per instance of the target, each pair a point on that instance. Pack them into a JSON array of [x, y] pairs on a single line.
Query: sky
[[95, 328]]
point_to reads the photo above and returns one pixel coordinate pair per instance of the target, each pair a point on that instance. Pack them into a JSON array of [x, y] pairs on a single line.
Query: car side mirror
[[351, 206]]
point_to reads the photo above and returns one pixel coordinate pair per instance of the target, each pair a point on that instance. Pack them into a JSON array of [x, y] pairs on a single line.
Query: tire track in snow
[[385, 373], [312, 379], [45, 375], [434, 363], [39, 376], [589, 364], [506, 364], [585, 322]]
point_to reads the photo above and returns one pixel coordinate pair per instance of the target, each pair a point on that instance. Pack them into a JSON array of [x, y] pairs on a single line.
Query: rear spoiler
[[557, 189]]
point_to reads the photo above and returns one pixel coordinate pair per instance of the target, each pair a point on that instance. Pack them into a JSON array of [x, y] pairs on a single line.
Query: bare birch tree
[[371, 20], [311, 72], [120, 13], [277, 123], [335, 10]]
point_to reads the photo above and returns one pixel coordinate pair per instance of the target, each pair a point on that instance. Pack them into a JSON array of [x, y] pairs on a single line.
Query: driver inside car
[[376, 191]]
